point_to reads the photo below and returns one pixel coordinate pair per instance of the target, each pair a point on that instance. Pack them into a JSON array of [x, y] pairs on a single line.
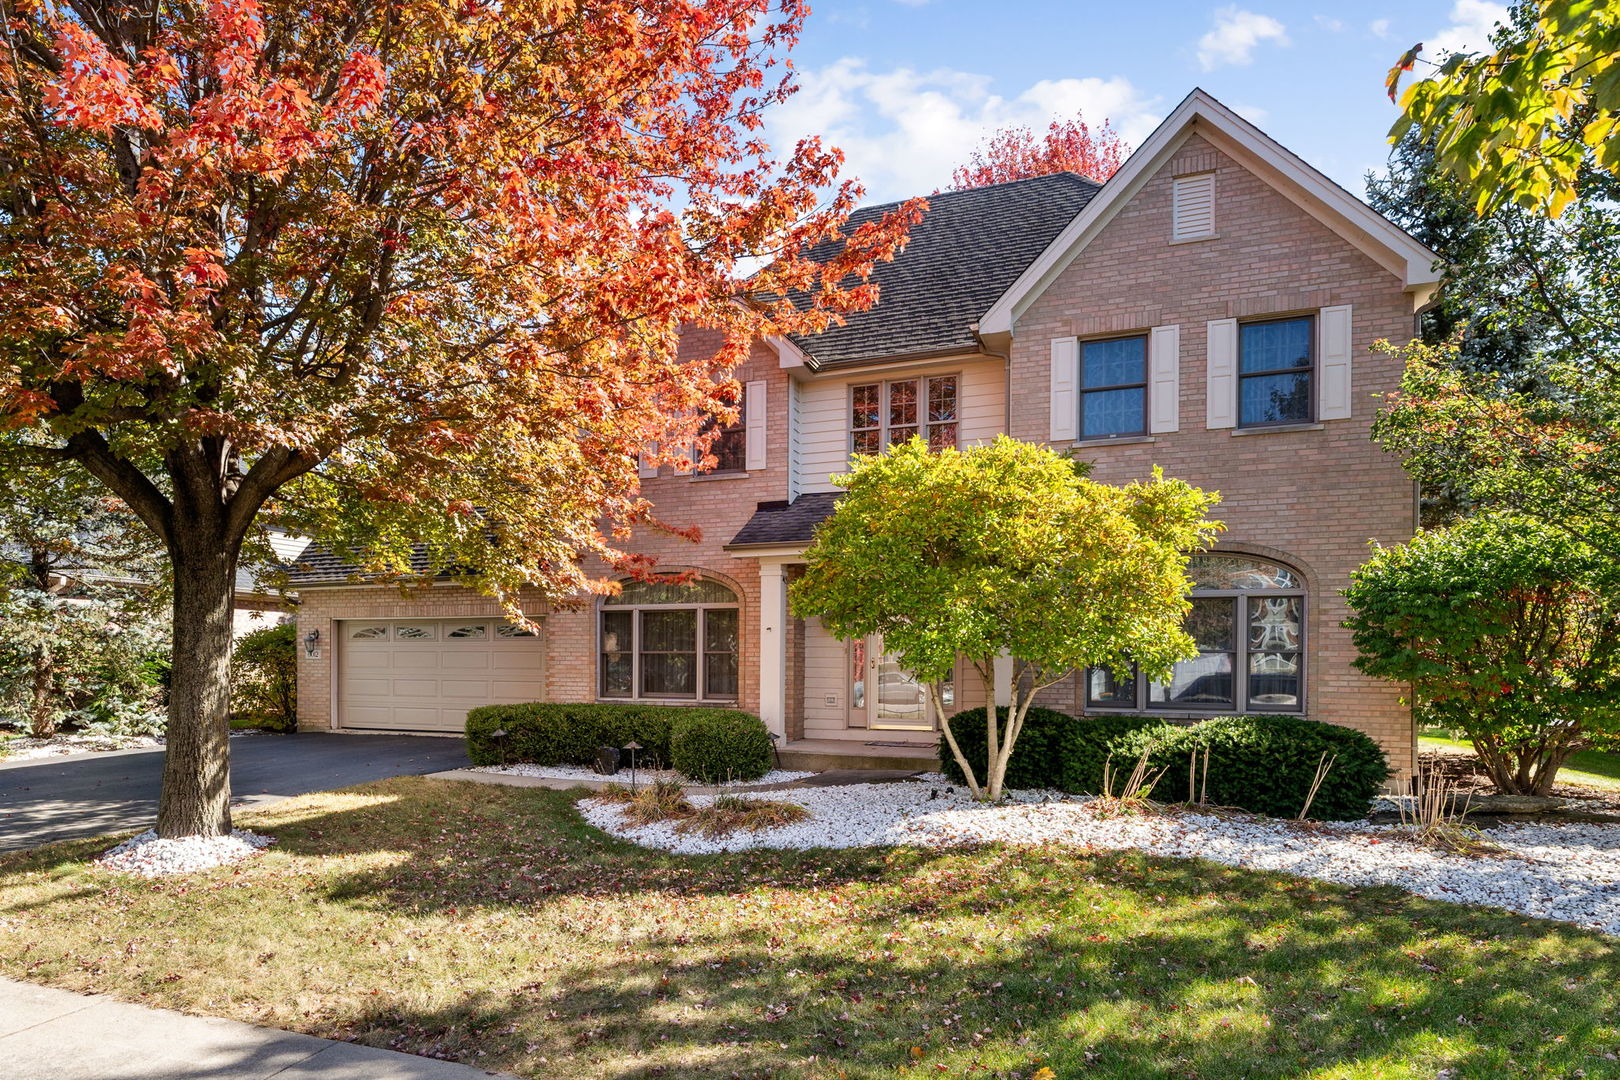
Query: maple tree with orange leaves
[[1017, 153], [408, 274]]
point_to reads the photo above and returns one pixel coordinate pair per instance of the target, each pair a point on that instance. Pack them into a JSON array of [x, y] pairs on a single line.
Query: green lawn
[[1592, 768], [490, 925]]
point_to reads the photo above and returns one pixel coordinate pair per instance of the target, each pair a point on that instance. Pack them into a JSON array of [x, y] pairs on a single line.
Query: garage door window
[[470, 632], [369, 633], [670, 641]]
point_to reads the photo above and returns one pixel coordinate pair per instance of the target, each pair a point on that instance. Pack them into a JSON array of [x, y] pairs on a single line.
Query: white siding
[[822, 415], [824, 660]]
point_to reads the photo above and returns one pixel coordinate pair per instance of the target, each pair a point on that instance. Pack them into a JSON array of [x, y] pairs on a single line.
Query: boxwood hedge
[[715, 745], [1263, 763], [564, 733]]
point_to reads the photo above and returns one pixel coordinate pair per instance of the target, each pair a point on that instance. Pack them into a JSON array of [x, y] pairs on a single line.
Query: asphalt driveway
[[88, 794]]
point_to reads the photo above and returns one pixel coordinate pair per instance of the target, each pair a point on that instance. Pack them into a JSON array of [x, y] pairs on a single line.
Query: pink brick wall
[[1311, 498], [717, 504]]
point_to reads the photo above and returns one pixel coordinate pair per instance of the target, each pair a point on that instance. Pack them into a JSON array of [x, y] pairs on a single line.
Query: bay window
[[1248, 620]]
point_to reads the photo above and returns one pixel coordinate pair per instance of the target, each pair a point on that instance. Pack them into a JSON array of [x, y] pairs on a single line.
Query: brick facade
[[1312, 498]]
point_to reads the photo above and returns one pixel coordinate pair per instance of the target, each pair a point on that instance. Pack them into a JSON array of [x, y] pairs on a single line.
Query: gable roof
[[1199, 113], [964, 253]]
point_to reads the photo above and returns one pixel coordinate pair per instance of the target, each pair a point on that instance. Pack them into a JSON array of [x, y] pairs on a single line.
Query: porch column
[[773, 616]]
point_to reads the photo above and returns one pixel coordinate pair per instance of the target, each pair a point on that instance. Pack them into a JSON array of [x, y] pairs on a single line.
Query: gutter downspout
[[1006, 379]]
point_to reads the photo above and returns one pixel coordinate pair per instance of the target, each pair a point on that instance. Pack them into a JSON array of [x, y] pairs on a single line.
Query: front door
[[885, 696]]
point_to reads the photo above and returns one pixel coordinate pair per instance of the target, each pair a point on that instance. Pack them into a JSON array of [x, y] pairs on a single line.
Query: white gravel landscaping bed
[[1565, 872], [28, 747], [149, 856], [643, 776]]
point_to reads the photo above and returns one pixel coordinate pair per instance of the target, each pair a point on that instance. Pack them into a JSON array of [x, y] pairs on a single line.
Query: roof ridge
[[1066, 174]]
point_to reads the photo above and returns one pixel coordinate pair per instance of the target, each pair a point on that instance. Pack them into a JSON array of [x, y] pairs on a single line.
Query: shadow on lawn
[[1112, 965], [1244, 987]]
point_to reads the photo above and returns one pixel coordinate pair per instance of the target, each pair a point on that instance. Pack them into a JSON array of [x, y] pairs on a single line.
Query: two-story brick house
[[1210, 310]]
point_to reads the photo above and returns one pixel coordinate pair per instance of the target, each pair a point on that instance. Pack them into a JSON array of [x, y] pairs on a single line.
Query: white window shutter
[[1220, 386], [1192, 207], [1333, 348], [1065, 381], [754, 416], [1164, 379], [644, 466]]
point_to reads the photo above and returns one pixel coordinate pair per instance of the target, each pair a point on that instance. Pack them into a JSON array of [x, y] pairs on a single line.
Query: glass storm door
[[883, 695]]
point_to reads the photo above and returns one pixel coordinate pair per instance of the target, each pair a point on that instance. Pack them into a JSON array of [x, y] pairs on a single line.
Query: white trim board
[[1200, 113]]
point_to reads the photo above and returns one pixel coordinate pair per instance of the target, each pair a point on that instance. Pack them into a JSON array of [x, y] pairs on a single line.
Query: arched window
[[669, 641], [1248, 618]]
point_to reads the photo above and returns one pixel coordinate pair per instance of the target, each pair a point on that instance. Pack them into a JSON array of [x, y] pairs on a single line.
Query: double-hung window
[[1248, 620], [669, 641], [730, 446], [886, 413], [1275, 368], [1113, 387]]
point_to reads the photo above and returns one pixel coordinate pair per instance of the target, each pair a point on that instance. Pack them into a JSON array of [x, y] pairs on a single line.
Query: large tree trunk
[[196, 798]]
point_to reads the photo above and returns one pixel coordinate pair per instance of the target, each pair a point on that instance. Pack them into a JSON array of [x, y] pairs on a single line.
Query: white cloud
[[1470, 29], [912, 3], [1236, 34], [1254, 114], [1379, 28], [1330, 24], [904, 131]]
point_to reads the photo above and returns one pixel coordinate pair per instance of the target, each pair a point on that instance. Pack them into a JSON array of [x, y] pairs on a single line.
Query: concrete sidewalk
[[48, 1034]]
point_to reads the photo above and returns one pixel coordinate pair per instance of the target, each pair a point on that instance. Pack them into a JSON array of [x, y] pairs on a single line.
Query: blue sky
[[909, 87]]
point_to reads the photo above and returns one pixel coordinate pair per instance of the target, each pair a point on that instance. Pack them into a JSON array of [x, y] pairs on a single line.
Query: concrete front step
[[822, 755]]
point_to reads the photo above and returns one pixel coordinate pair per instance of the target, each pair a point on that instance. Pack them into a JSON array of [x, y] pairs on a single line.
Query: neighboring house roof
[[966, 251], [786, 523], [1415, 265], [319, 566]]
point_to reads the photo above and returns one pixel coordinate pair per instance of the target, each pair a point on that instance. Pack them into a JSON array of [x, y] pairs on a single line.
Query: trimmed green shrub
[[1056, 750], [712, 745], [564, 733], [1035, 759], [1107, 740], [1265, 764]]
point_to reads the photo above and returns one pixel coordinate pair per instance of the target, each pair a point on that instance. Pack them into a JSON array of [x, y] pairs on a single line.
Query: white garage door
[[424, 674]]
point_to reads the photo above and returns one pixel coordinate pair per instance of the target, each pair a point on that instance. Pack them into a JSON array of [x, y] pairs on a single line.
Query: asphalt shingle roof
[[969, 247], [784, 522], [318, 566]]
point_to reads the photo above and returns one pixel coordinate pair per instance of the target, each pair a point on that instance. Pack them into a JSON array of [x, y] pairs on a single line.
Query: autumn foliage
[[1017, 153], [410, 274]]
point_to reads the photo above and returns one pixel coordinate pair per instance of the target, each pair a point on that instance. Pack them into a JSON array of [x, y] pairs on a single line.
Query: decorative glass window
[[1275, 361], [670, 641], [1248, 618], [369, 632], [507, 630], [1113, 388], [469, 631], [730, 447], [415, 632], [882, 414]]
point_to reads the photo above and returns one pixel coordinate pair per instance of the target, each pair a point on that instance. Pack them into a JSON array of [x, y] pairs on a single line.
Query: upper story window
[[1248, 618], [1113, 387], [730, 447], [669, 641], [882, 414], [1275, 368]]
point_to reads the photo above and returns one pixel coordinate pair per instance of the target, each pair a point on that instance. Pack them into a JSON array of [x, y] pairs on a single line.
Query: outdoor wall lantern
[[312, 644]]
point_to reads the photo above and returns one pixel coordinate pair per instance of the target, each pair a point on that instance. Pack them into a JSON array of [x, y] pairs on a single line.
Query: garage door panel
[[429, 684]]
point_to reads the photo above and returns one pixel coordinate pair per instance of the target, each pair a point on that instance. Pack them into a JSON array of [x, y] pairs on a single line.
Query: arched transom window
[[1248, 618], [669, 641]]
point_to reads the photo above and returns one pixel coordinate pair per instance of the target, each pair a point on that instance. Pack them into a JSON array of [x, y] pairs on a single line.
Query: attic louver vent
[[1192, 209]]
